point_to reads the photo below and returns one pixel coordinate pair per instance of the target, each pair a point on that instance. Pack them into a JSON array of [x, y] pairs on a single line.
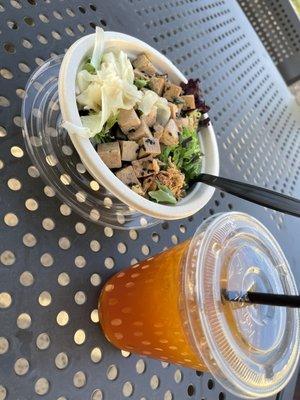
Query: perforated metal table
[[277, 25], [52, 262]]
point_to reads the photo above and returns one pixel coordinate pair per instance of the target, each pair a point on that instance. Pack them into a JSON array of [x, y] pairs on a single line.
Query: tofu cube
[[157, 84], [143, 64], [179, 106], [149, 183], [110, 154], [172, 91], [158, 131], [182, 122], [129, 150], [174, 110], [145, 167], [170, 135], [118, 134], [127, 176], [139, 75], [149, 146], [128, 120], [150, 118], [142, 131], [138, 189], [189, 102]]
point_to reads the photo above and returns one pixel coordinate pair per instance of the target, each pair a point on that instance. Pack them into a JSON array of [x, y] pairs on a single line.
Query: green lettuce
[[140, 83], [104, 136], [163, 194], [89, 67], [186, 155]]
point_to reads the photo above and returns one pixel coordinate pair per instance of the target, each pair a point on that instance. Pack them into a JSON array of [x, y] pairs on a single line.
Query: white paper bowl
[[82, 49]]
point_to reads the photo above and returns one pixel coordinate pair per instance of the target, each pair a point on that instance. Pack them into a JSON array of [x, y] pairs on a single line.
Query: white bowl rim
[[74, 56]]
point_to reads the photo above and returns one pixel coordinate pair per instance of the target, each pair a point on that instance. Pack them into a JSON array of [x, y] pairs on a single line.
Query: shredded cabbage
[[151, 99], [148, 101], [83, 79], [90, 98], [105, 85], [92, 122], [163, 111], [98, 47], [120, 64], [76, 130], [107, 91]]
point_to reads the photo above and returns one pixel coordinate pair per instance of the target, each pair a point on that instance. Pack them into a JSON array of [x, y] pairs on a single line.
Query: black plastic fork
[[255, 194]]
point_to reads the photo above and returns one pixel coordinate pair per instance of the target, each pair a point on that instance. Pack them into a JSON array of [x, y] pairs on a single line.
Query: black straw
[[271, 299]]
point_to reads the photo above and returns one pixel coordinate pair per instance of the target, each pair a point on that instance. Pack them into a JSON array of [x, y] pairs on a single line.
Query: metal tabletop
[[52, 262], [278, 27]]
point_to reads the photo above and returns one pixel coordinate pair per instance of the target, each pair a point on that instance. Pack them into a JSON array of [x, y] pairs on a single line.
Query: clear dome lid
[[53, 153], [252, 350]]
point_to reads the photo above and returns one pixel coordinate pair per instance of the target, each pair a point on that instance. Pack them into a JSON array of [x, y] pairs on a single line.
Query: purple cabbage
[[193, 87]]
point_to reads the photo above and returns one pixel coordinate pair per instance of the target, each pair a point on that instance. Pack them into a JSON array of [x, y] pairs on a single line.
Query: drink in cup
[[170, 307]]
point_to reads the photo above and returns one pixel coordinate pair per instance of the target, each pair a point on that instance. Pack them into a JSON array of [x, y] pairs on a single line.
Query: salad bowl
[[198, 196]]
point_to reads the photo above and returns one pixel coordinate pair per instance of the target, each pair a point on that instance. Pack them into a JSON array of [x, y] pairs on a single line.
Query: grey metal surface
[[51, 260], [278, 26]]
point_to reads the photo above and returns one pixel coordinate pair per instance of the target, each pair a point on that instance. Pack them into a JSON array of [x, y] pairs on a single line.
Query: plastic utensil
[[255, 194]]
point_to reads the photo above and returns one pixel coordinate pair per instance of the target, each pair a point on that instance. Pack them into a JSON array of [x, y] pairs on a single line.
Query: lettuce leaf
[[76, 130], [92, 122], [112, 120], [89, 67], [109, 90], [167, 152], [147, 102], [117, 64], [140, 83], [104, 135], [98, 48], [90, 98], [186, 155], [84, 79], [163, 111], [163, 194], [151, 99]]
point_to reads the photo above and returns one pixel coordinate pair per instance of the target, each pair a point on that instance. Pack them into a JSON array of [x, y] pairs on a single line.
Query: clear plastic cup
[[170, 307]]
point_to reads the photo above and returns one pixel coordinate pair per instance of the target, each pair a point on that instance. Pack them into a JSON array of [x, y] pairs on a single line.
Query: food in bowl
[[143, 126]]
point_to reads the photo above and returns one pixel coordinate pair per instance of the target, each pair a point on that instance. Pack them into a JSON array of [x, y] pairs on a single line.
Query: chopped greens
[[104, 136], [89, 67], [112, 120], [186, 155], [163, 194], [140, 83]]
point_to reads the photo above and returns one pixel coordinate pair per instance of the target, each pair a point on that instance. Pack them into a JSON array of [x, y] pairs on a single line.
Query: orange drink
[[141, 309], [171, 307]]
